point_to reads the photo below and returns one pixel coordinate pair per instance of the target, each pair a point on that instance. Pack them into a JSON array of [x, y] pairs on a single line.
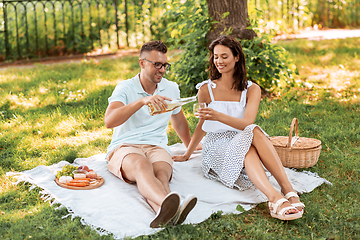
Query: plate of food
[[78, 178]]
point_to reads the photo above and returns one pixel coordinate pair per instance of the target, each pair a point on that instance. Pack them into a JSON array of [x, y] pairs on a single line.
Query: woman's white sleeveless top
[[231, 108]]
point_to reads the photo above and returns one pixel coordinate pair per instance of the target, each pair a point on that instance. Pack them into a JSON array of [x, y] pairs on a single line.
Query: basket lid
[[301, 143]]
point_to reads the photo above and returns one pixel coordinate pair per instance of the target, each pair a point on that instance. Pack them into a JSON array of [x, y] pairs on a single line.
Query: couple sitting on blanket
[[235, 151]]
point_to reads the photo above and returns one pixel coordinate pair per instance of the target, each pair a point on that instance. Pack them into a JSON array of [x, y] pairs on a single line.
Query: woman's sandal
[[275, 212], [296, 205]]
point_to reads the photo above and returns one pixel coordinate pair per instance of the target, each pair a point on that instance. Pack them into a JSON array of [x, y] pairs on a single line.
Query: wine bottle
[[171, 105]]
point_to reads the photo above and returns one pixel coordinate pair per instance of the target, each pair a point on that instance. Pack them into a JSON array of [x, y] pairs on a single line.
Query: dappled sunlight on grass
[[5, 184], [357, 61], [19, 125], [101, 82], [14, 124], [265, 114], [3, 78], [342, 79], [81, 138], [21, 101], [327, 57], [342, 84], [43, 90], [66, 133], [311, 95], [75, 96], [66, 126], [19, 212], [188, 114], [327, 70], [170, 128], [36, 150], [324, 53], [14, 77], [308, 45], [310, 69]]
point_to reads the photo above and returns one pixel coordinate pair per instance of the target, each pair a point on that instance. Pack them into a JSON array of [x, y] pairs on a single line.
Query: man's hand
[[157, 101]]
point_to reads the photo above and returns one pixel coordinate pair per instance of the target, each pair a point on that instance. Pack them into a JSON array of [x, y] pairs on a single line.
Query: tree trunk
[[236, 20]]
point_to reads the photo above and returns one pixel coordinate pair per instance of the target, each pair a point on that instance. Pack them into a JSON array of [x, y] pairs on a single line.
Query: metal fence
[[41, 28], [38, 28]]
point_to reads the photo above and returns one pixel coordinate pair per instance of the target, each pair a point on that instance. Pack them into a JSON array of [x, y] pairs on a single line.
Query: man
[[138, 152]]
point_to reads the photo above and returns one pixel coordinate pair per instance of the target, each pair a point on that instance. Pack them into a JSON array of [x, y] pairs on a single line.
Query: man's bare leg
[[162, 171], [139, 169]]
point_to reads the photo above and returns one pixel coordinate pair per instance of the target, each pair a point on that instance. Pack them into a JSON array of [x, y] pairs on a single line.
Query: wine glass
[[198, 106]]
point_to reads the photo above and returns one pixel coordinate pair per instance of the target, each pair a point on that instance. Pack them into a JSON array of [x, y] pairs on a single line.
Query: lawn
[[53, 113]]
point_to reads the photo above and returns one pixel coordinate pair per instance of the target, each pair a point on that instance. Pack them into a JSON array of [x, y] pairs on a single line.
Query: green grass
[[53, 113]]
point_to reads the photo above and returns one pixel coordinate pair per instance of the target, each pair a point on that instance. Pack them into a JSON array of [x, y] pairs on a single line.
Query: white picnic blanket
[[118, 208]]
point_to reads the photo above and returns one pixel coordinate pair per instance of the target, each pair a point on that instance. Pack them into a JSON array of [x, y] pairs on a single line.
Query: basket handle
[[292, 140]]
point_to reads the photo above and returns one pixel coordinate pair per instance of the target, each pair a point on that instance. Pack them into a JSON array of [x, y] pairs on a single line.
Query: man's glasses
[[159, 65]]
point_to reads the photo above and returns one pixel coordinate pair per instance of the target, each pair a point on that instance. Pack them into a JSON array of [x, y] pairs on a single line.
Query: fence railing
[[41, 28], [38, 28]]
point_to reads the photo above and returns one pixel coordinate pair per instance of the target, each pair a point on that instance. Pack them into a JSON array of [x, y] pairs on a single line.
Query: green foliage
[[268, 65], [188, 33], [240, 208]]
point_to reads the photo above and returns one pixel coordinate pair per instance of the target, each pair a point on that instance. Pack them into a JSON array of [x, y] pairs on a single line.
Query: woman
[[235, 150]]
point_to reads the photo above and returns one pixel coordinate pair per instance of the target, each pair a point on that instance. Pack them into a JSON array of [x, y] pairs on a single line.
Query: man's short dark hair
[[153, 45]]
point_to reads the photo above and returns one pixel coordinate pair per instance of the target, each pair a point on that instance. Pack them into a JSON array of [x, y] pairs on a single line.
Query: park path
[[309, 34], [68, 59]]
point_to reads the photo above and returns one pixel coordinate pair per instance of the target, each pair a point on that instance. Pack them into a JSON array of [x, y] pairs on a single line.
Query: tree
[[191, 30], [236, 21]]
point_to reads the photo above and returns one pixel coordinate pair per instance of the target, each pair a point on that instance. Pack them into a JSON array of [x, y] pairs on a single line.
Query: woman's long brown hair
[[240, 82]]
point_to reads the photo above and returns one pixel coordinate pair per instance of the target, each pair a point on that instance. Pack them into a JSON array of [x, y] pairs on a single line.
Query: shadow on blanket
[[118, 208]]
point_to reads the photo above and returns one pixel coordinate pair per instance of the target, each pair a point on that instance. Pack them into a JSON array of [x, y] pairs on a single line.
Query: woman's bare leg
[[272, 162], [256, 173]]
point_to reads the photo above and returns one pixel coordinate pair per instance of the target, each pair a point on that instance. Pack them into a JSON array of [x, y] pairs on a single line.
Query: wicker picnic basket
[[297, 152]]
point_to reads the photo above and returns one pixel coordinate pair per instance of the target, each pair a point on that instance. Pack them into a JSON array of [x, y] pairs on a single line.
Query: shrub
[[268, 64], [188, 33]]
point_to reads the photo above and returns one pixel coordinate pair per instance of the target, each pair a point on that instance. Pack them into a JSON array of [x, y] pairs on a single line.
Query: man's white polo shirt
[[141, 127]]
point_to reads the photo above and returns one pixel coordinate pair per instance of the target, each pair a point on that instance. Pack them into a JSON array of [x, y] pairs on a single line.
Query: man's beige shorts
[[152, 152]]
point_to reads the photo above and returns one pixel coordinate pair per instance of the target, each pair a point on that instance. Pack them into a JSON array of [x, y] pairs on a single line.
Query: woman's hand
[[209, 114], [182, 158], [186, 156]]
